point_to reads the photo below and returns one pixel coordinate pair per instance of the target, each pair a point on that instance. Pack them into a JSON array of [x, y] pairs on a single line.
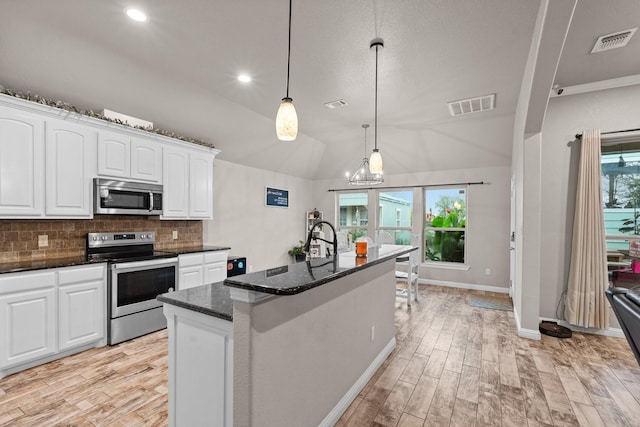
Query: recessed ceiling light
[[137, 15], [244, 78]]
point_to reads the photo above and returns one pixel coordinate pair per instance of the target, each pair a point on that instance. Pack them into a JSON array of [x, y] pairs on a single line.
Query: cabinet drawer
[[215, 256], [81, 274], [16, 282], [190, 259]]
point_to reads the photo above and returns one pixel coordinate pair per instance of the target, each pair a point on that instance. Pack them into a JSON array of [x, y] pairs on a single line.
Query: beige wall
[[241, 219]]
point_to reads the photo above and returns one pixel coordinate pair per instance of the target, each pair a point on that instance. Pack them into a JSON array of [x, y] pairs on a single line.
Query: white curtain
[[586, 303]]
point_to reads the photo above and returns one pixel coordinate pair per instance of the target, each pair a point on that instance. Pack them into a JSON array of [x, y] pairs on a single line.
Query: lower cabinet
[[27, 317], [49, 313], [201, 268], [81, 306]]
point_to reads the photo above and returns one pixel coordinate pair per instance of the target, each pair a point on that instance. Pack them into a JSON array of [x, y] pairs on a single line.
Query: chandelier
[[363, 175]]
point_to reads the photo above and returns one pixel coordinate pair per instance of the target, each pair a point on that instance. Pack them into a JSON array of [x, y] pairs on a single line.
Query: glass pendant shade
[[375, 162], [287, 121], [364, 175]]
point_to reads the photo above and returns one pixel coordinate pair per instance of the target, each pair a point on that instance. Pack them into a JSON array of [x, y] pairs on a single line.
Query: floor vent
[[472, 105], [613, 41], [336, 104]]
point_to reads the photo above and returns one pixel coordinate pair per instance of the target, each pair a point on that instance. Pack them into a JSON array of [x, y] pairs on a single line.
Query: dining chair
[[412, 260], [385, 238]]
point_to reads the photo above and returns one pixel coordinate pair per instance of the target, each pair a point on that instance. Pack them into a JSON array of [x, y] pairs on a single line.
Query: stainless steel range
[[137, 275]]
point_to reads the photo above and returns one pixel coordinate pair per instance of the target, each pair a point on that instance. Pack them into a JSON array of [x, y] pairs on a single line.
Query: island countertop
[[213, 300], [296, 278]]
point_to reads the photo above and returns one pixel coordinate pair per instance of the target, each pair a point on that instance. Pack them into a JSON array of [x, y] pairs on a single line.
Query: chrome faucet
[[310, 236]]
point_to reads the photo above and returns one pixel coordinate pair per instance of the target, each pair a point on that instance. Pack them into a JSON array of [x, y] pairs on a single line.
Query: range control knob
[[104, 237], [142, 236], [95, 238]]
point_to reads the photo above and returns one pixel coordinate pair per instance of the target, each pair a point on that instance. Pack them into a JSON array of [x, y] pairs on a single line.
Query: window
[[354, 214], [396, 215], [621, 200], [445, 220]]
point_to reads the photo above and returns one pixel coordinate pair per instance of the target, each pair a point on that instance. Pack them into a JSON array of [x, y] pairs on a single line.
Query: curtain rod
[[408, 186], [579, 135]]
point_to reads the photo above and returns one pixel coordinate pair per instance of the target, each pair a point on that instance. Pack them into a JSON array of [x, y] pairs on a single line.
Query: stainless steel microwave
[[126, 197]]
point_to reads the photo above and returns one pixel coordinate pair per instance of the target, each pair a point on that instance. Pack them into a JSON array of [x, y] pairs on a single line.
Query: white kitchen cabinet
[[27, 317], [114, 155], [200, 185], [70, 167], [176, 183], [21, 164], [48, 314], [188, 184], [122, 156], [215, 266], [146, 160], [201, 268], [81, 306], [190, 270]]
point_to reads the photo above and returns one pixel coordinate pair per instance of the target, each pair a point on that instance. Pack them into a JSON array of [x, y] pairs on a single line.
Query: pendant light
[[363, 175], [287, 119], [621, 162], [375, 161]]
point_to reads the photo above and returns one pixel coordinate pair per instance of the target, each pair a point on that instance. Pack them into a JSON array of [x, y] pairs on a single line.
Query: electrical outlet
[[373, 333], [174, 234], [43, 241], [487, 271]]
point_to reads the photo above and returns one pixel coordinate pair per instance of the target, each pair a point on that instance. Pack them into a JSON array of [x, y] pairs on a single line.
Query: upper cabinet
[[188, 184], [70, 168], [125, 157], [21, 163], [49, 158]]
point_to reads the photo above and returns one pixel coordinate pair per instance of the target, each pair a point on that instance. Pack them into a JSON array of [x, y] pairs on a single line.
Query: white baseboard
[[334, 415], [522, 332], [610, 332], [460, 285]]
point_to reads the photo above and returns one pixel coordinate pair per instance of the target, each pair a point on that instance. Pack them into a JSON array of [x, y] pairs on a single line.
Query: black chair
[[626, 306]]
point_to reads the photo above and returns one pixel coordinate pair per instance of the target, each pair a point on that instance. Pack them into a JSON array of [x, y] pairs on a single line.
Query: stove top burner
[[121, 247]]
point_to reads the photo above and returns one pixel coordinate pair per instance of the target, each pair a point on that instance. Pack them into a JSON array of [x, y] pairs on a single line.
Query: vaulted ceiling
[[179, 70]]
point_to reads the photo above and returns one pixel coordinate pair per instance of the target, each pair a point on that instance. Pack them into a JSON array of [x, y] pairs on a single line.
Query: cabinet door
[[21, 164], [175, 171], [70, 167], [114, 155], [201, 186], [28, 326], [215, 272], [146, 160], [190, 277], [81, 313]]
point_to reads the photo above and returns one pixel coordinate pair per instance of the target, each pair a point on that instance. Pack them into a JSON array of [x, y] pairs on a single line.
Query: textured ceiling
[[179, 71]]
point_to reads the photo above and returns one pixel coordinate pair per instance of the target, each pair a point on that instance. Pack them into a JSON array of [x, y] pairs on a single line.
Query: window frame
[[465, 230]]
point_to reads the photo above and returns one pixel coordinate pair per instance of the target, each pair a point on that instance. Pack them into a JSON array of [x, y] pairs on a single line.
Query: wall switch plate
[[174, 235], [487, 271], [43, 240]]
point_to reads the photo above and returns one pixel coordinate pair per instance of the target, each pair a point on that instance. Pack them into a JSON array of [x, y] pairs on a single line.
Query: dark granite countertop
[[40, 264], [213, 300], [296, 278], [195, 249]]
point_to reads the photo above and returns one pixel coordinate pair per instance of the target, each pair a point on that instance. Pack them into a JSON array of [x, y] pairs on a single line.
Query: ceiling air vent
[[613, 41], [336, 104], [472, 105]]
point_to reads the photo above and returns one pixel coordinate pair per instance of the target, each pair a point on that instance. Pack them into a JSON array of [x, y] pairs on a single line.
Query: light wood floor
[[454, 365]]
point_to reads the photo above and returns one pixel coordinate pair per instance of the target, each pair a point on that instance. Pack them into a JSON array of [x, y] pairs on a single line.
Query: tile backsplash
[[67, 237]]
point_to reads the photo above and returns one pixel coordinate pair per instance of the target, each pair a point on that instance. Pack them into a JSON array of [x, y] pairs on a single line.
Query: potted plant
[[297, 252]]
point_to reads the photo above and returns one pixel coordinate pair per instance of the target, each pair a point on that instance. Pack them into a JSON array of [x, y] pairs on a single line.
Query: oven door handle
[[150, 263]]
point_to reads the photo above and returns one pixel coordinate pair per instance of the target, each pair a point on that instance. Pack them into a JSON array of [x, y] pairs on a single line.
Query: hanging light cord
[[365, 140], [289, 50], [375, 118]]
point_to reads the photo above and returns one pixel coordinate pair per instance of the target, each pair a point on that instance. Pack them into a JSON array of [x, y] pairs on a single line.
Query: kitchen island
[[300, 343]]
